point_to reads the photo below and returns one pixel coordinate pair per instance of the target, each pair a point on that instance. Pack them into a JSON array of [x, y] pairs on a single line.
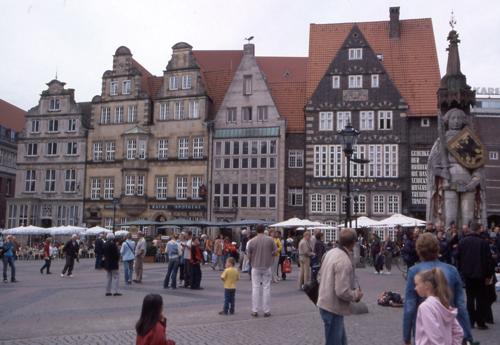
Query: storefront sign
[[353, 180], [180, 207], [418, 175], [490, 91], [355, 95]]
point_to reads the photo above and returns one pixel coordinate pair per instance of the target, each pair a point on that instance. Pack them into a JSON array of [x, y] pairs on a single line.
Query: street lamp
[[115, 202]]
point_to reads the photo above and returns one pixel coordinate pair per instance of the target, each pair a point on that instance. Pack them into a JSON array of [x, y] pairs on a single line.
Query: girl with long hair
[[436, 321], [152, 325]]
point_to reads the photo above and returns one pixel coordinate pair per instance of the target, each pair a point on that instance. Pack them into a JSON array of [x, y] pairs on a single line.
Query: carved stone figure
[[455, 175]]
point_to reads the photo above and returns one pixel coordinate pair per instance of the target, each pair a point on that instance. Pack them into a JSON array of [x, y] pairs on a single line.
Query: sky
[[77, 38]]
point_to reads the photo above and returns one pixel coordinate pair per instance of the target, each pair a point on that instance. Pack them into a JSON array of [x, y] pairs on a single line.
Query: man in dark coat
[[474, 264], [99, 244], [71, 251], [111, 256]]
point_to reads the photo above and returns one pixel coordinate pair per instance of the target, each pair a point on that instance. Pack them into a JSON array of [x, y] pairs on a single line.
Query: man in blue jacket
[[428, 250], [9, 250]]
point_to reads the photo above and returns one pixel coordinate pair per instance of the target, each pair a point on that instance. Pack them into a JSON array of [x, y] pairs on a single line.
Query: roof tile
[[11, 116]]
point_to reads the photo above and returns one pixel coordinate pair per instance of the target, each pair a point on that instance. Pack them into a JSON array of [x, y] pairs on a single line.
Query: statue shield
[[467, 149]]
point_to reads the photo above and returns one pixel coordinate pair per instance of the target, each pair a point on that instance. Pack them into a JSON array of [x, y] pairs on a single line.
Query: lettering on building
[[418, 175]]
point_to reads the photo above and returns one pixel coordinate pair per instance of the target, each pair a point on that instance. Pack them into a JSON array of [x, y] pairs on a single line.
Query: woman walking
[[46, 256]]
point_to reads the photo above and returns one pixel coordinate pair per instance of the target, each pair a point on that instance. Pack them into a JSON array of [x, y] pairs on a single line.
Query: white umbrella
[[27, 230], [121, 233], [399, 219], [363, 222], [296, 222], [96, 230], [66, 230]]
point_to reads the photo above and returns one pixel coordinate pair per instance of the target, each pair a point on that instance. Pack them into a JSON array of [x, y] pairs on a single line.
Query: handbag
[[286, 266]]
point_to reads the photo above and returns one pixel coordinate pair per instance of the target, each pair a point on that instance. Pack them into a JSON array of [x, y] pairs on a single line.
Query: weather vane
[[453, 21], [248, 39]]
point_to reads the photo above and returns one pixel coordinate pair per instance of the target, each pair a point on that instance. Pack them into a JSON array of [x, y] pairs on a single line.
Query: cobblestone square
[[48, 309]]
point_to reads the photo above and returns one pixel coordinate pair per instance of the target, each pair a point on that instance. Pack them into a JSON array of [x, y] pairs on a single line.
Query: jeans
[[173, 265], [112, 280], [98, 261], [195, 276], [187, 273], [229, 300], [334, 328], [128, 267], [70, 262], [46, 265], [9, 260], [261, 300]]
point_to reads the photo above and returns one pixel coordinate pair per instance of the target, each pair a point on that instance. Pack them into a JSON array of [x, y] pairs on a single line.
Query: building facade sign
[[418, 174], [491, 91]]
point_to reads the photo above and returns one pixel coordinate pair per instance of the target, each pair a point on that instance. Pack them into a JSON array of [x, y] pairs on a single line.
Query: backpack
[[390, 299]]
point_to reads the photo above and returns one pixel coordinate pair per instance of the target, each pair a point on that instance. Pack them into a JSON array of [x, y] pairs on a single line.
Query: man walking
[[99, 244], [9, 252], [174, 251], [260, 251], [186, 246], [306, 252], [140, 253], [70, 249], [474, 264], [127, 252], [337, 288]]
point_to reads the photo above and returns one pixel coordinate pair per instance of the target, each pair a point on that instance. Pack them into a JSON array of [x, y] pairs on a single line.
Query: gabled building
[[381, 77], [51, 161]]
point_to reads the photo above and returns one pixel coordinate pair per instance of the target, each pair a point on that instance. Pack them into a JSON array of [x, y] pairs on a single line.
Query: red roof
[[145, 78], [411, 60], [11, 116]]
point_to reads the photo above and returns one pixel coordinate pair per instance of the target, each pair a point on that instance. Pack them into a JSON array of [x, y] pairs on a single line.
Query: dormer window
[[172, 83], [54, 104], [247, 85], [375, 80], [355, 81], [126, 87], [355, 53], [113, 88], [186, 82]]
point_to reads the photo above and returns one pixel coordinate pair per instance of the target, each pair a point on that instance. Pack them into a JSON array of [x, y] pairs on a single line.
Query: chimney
[[394, 22], [249, 49]]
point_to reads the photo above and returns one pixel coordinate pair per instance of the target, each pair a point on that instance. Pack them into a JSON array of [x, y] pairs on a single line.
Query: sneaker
[[62, 275], [267, 314], [117, 294], [14, 281], [71, 276], [254, 314], [375, 272]]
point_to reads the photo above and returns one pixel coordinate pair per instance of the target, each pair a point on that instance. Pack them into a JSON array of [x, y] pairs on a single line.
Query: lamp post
[[115, 202]]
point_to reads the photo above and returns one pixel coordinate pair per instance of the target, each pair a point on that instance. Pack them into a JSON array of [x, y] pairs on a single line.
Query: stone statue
[[455, 177]]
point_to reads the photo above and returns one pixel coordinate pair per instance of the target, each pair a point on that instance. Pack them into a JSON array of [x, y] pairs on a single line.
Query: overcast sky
[[78, 38]]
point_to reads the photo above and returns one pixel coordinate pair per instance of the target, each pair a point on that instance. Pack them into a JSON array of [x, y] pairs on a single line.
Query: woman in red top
[[46, 256], [152, 325]]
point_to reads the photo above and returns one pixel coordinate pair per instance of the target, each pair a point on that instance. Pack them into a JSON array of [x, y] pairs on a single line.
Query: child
[[230, 276], [436, 320], [152, 326]]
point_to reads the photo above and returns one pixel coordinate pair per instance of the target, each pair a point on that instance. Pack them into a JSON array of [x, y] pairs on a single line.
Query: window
[[198, 147], [53, 126], [131, 148], [97, 151], [119, 115], [355, 81], [54, 104], [72, 148], [262, 113], [186, 82], [126, 87], [335, 82], [50, 180], [316, 203], [162, 148], [231, 115], [366, 120], [172, 83], [109, 188], [105, 115], [35, 126], [181, 190], [196, 183], [70, 180], [52, 149], [12, 216], [392, 204], [30, 181], [326, 121], [343, 119], [425, 122], [161, 188], [95, 188], [194, 109], [132, 114], [385, 119], [355, 53], [110, 147], [246, 114], [183, 148], [72, 215], [164, 111], [32, 149], [493, 155], [23, 215], [129, 185], [247, 85], [143, 149], [360, 204], [295, 197], [378, 204], [295, 158], [375, 81], [179, 110], [72, 125], [331, 203], [140, 185], [113, 88], [108, 223], [320, 160]]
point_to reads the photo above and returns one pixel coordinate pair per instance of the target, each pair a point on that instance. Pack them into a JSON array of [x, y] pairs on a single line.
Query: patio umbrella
[[121, 233], [295, 223], [66, 230], [399, 219], [27, 230], [96, 230], [363, 222]]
